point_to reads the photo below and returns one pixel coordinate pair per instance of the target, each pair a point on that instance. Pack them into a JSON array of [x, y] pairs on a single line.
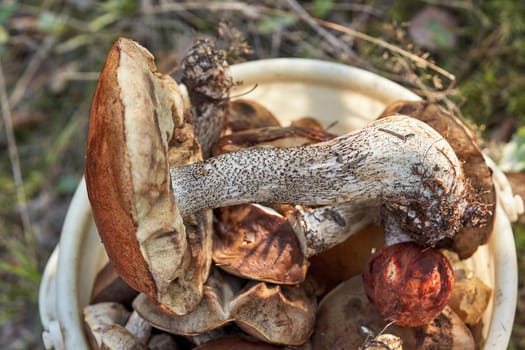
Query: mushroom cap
[[109, 286], [470, 295], [479, 221], [408, 283], [212, 312], [104, 323], [270, 136], [135, 114], [277, 314], [341, 315], [244, 114], [258, 243], [446, 331]]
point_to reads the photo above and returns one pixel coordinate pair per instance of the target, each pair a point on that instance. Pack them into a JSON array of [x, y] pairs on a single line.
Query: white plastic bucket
[[291, 88]]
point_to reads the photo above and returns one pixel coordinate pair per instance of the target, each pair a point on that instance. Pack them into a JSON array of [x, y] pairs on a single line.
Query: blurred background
[[468, 55]]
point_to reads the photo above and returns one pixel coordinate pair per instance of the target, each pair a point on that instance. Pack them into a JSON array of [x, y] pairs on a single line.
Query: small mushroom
[[408, 283], [212, 312], [277, 314], [105, 325], [477, 228]]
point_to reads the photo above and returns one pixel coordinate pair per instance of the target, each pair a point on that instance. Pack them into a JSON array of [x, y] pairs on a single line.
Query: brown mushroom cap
[[341, 315], [258, 243], [246, 114], [276, 314], [211, 313], [477, 229], [109, 286], [272, 136], [137, 119], [105, 327], [470, 295]]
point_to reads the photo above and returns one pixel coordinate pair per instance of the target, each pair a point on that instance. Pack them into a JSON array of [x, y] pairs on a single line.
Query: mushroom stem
[[397, 164]]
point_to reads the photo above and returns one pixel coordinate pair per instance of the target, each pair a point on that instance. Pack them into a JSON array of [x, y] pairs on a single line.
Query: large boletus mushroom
[[277, 314]]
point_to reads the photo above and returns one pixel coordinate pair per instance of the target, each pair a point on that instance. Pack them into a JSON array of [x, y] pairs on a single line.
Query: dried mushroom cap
[[139, 327], [118, 338], [341, 316], [137, 114], [470, 295], [246, 114], [270, 137], [236, 343], [211, 313], [109, 286], [258, 243], [478, 225], [446, 331], [105, 327], [347, 320], [276, 314]]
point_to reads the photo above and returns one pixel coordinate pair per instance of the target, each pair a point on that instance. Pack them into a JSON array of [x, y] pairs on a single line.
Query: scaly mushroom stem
[[397, 164]]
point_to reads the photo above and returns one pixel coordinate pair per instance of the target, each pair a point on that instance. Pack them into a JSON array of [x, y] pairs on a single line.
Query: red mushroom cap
[[408, 283]]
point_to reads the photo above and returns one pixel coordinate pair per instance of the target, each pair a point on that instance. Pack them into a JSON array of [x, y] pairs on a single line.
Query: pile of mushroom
[[285, 199]]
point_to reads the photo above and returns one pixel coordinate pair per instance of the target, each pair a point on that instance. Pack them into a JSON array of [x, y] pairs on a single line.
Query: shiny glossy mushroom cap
[[408, 284]]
